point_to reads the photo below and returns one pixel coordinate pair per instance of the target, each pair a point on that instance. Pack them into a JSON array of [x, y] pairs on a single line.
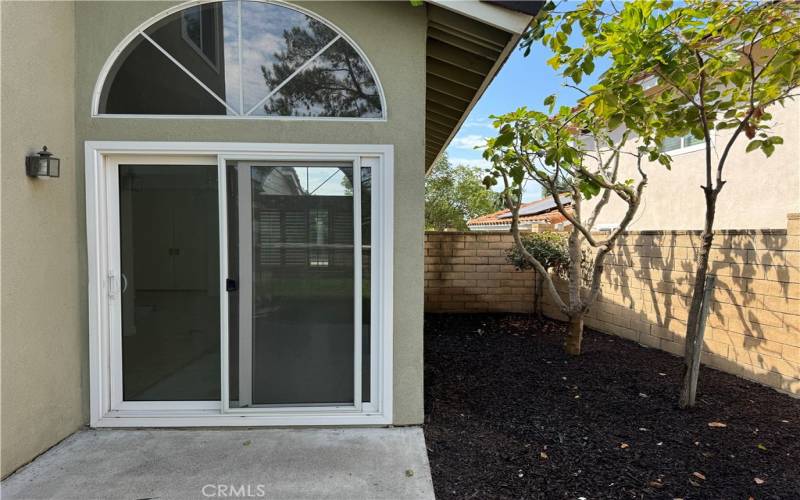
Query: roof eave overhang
[[488, 80], [506, 24]]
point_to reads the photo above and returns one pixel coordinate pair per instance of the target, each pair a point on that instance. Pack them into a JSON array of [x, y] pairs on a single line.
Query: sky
[[523, 81]]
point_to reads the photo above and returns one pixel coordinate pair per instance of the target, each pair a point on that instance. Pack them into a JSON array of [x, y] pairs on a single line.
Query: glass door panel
[[292, 339], [366, 281], [169, 256]]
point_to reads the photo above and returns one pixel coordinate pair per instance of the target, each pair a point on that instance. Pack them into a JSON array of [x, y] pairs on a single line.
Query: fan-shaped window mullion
[[189, 73], [239, 58], [294, 74], [338, 83]]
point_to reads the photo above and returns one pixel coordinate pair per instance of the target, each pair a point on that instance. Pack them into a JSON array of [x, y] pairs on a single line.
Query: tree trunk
[[537, 295], [693, 322], [692, 366], [574, 336]]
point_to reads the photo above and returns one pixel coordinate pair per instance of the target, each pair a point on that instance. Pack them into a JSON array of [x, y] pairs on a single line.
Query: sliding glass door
[[298, 304], [240, 286]]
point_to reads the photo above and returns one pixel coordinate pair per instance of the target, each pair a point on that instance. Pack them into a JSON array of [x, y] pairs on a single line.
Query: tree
[[576, 151], [454, 195], [716, 66], [337, 83]]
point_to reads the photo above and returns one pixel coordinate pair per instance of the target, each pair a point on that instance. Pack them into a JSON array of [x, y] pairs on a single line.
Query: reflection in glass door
[[169, 262], [299, 292]]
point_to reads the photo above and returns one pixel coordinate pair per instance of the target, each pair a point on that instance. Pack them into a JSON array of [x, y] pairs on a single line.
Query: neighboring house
[[758, 194], [235, 238], [531, 214]]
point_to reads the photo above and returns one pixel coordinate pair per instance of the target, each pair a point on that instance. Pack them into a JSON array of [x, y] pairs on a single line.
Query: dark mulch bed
[[509, 415]]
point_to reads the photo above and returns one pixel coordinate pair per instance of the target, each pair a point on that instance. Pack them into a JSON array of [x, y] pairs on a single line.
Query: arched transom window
[[240, 58]]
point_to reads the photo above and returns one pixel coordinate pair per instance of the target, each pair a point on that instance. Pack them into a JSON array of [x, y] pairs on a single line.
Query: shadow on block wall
[[753, 328]]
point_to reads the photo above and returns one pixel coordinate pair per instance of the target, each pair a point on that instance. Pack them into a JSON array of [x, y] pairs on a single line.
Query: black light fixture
[[42, 164]]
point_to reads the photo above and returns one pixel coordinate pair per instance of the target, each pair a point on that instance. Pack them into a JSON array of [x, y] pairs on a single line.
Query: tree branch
[[703, 117], [551, 288], [597, 265]]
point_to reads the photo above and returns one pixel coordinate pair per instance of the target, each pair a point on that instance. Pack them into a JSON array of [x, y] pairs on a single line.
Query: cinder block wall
[[753, 328], [468, 272]]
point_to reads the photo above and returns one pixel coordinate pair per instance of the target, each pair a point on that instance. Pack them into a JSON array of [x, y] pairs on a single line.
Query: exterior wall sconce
[[42, 164]]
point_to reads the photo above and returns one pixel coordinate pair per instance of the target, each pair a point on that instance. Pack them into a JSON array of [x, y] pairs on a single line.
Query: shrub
[[548, 247]]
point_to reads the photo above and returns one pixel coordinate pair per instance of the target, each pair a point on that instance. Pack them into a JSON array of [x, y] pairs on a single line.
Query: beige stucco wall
[[44, 268], [43, 283], [758, 194], [392, 35]]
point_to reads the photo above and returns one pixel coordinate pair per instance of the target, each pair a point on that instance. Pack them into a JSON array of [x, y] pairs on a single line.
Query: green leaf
[[517, 174], [550, 101], [753, 145], [589, 99], [588, 65], [504, 140], [601, 107], [768, 148], [615, 121], [588, 188]]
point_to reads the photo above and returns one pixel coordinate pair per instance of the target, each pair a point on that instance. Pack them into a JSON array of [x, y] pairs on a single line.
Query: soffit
[[467, 43]]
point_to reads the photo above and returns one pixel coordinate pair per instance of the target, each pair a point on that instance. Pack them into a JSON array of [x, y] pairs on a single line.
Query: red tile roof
[[502, 217]]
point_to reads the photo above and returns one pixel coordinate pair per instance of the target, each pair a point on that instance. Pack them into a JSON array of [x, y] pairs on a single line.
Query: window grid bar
[[189, 73], [295, 73]]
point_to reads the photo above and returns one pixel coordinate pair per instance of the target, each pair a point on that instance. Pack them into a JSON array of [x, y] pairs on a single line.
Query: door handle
[[111, 285], [231, 285], [124, 282]]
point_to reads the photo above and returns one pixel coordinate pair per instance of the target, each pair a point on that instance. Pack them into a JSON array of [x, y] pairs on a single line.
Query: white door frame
[[106, 406]]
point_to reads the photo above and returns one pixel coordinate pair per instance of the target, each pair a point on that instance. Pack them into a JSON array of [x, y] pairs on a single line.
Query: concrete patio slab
[[229, 463]]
